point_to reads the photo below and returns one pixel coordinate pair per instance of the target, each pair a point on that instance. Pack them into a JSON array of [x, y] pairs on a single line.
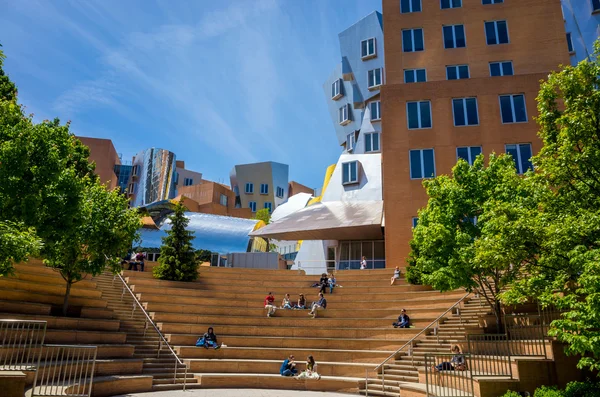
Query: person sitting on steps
[[288, 368], [209, 339], [301, 302], [324, 282], [457, 363], [286, 303], [331, 282], [320, 304], [396, 275], [269, 304], [311, 370], [403, 320]]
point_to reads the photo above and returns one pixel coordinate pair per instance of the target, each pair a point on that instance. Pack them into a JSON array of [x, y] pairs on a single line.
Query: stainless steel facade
[[153, 177]]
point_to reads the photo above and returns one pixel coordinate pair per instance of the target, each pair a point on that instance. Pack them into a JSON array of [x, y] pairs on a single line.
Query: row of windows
[[374, 80], [252, 206], [465, 111], [188, 181], [496, 32], [264, 189], [371, 142], [345, 115], [407, 6], [422, 161], [458, 72]]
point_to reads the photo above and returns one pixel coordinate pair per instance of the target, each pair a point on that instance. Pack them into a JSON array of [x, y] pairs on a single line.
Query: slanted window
[[264, 188], [269, 206], [374, 78], [468, 153], [367, 48], [484, 2], [372, 142], [595, 5], [570, 43], [512, 108], [418, 114], [375, 107], [131, 188], [350, 172], [496, 32], [280, 192], [249, 188], [252, 206], [223, 200], [521, 154], [412, 40], [407, 6], [450, 4], [350, 142], [457, 72], [415, 76], [336, 89], [504, 68], [465, 111], [415, 221], [344, 114], [454, 36], [188, 181], [422, 164]]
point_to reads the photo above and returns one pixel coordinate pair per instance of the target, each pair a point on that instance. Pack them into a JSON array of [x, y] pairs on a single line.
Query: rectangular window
[[418, 114], [407, 6], [249, 188], [367, 48], [465, 111], [422, 164], [252, 206], [131, 188], [375, 107], [570, 43], [280, 192], [415, 76], [374, 77], [521, 154], [372, 142], [484, 2], [344, 114], [350, 142], [454, 36], [496, 32], [336, 89], [450, 4], [595, 5], [223, 200], [415, 222], [350, 172], [269, 206], [504, 68], [457, 72], [468, 153], [412, 40], [512, 108], [264, 188]]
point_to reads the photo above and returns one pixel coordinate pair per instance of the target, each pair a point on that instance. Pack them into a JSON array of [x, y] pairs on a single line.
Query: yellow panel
[[258, 225], [328, 174]]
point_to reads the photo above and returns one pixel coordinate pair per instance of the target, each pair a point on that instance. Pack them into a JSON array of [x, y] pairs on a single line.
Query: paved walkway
[[238, 393]]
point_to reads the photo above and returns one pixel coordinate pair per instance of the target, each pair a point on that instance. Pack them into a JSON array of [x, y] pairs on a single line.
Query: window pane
[[462, 153], [371, 78], [505, 109], [490, 33], [459, 112], [472, 117], [409, 76], [413, 116], [451, 73], [512, 150], [519, 103], [421, 75], [463, 72], [502, 32], [375, 142], [415, 164], [418, 39], [425, 115], [445, 4], [405, 6], [345, 173], [407, 41], [525, 150], [416, 5], [353, 171], [368, 146], [459, 32], [367, 250], [475, 151], [495, 69], [456, 3], [507, 68], [363, 49], [371, 46], [448, 37], [428, 166]]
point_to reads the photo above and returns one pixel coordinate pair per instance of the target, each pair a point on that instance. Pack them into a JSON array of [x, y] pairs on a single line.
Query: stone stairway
[[167, 373]]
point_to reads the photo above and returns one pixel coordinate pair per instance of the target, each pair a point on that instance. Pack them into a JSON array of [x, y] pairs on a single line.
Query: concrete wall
[[584, 26], [103, 153], [254, 260], [271, 173], [369, 181], [185, 173], [537, 46]]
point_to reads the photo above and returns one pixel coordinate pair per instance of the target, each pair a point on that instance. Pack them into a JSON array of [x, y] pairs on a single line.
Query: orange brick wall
[[208, 195], [537, 46], [295, 188], [103, 153]]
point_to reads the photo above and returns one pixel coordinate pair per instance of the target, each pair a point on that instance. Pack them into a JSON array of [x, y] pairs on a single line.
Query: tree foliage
[[264, 215], [17, 243], [177, 261]]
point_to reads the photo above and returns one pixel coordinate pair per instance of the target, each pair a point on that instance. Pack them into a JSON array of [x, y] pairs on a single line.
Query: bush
[[203, 255], [582, 389], [511, 393], [548, 391], [413, 275]]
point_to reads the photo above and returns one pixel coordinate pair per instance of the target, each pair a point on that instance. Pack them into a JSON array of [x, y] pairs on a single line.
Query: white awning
[[331, 220]]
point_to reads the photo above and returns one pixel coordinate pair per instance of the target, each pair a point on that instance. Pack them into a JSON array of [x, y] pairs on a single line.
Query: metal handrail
[[410, 342], [149, 320]]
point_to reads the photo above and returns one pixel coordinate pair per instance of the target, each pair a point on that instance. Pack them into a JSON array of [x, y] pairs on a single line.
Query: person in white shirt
[[363, 263]]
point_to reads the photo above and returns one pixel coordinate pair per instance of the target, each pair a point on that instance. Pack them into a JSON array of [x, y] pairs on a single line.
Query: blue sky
[[217, 82]]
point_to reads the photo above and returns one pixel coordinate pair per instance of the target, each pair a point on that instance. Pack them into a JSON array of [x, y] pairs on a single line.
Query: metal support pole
[[185, 379], [383, 378], [366, 382]]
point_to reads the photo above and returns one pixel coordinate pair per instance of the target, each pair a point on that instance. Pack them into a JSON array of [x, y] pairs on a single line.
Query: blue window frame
[[465, 112], [444, 4], [280, 192], [521, 154], [252, 206], [512, 108], [349, 172], [264, 188], [412, 40], [372, 142], [407, 6], [415, 76], [269, 206], [456, 72], [422, 164], [375, 107], [454, 36], [249, 188], [484, 2], [496, 32], [415, 221], [468, 153], [418, 114], [504, 68]]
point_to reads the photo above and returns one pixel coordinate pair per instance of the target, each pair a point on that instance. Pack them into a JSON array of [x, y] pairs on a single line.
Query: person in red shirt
[[269, 300]]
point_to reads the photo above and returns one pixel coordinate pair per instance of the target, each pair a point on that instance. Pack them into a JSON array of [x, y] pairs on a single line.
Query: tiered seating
[[352, 335]]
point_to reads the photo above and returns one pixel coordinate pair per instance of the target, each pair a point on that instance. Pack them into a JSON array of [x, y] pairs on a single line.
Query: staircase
[[404, 368], [167, 373]]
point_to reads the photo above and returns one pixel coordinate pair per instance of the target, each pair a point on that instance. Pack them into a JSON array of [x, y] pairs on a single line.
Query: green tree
[[177, 261], [17, 243], [263, 215], [8, 90]]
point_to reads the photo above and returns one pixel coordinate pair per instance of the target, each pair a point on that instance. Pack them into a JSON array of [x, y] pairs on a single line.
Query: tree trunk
[[498, 314], [66, 301]]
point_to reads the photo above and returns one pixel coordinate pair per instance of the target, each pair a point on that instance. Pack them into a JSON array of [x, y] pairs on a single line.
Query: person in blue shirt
[[403, 320], [288, 368], [320, 304]]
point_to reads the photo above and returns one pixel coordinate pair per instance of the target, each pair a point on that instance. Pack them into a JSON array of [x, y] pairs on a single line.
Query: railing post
[[122, 293], [437, 331], [383, 378], [133, 310], [185, 379], [366, 382], [145, 327], [175, 372], [159, 347]]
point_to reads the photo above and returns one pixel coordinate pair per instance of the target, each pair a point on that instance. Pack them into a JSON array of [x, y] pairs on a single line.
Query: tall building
[[153, 177], [103, 153], [461, 79], [260, 185], [582, 25]]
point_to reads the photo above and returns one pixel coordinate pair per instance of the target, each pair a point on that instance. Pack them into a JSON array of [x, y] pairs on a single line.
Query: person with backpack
[[209, 339]]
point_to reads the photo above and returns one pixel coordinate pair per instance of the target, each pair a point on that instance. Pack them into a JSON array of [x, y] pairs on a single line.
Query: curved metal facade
[[153, 177]]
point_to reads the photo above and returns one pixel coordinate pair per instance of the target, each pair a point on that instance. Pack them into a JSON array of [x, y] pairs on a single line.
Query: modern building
[[103, 153], [260, 185], [461, 78], [582, 25], [186, 177], [153, 177], [295, 188], [213, 198]]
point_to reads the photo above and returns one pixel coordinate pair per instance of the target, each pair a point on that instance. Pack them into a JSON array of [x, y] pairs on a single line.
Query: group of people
[[326, 280], [288, 368], [286, 303], [134, 260]]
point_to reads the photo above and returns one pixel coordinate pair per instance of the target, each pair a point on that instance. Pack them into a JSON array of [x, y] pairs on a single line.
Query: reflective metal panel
[[153, 177]]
